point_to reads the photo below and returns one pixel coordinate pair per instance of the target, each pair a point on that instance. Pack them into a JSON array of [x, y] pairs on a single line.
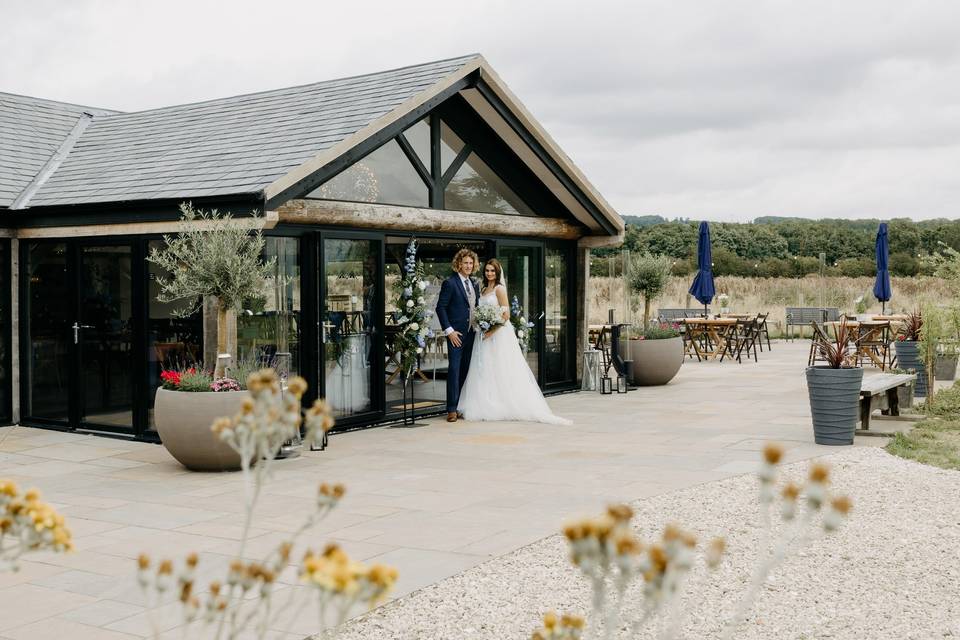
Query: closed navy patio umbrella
[[702, 287], [881, 288]]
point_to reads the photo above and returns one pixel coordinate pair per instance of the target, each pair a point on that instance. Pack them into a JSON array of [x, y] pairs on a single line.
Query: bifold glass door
[[351, 317], [81, 317], [522, 268]]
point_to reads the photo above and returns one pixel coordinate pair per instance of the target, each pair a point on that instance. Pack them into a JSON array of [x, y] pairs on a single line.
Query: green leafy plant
[[214, 256], [912, 327], [648, 276], [658, 331], [836, 352]]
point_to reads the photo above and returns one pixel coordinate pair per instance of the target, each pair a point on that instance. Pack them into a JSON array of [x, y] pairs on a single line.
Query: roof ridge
[[62, 103], [464, 58], [53, 162]]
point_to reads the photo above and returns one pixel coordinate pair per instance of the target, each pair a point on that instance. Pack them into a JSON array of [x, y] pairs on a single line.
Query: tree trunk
[[646, 313], [222, 335]]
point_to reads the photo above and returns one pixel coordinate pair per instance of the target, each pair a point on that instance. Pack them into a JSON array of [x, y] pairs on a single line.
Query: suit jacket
[[453, 308]]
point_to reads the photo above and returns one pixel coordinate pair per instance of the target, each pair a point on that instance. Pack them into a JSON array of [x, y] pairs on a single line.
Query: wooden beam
[[267, 221], [599, 242], [411, 219]]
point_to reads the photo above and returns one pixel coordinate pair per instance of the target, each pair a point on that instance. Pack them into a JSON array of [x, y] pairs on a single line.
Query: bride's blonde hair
[[493, 262]]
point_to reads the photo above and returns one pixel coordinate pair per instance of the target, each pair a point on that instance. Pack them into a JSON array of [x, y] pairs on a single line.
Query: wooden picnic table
[[895, 317], [869, 336], [713, 330]]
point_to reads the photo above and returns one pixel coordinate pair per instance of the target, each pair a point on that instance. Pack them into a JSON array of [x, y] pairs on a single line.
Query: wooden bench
[[880, 392]]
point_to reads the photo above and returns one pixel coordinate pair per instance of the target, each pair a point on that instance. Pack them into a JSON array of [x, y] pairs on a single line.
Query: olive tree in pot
[[834, 390], [908, 351], [657, 351], [212, 256]]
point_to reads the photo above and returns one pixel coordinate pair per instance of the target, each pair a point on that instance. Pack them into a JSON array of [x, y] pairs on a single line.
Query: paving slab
[[433, 500]]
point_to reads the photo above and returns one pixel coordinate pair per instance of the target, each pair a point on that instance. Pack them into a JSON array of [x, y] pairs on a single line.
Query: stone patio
[[432, 501]]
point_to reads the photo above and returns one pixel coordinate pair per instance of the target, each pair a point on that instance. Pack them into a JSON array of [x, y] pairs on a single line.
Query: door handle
[[76, 331]]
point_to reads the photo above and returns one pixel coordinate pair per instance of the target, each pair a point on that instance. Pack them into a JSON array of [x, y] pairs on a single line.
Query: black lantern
[[621, 384], [606, 385]]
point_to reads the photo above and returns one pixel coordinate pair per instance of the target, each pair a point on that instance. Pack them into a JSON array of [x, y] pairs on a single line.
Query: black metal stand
[[410, 416]]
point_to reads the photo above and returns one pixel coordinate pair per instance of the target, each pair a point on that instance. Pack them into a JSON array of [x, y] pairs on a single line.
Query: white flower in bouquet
[[409, 303], [521, 334], [420, 300], [523, 320], [487, 316], [419, 350], [414, 326]]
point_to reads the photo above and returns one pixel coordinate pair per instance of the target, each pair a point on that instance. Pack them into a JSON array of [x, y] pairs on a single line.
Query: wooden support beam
[[412, 219], [266, 221]]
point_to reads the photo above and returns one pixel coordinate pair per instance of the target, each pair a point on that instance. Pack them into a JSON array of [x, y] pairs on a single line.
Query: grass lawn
[[935, 440]]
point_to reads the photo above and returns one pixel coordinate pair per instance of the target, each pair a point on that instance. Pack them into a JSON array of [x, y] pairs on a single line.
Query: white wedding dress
[[499, 384]]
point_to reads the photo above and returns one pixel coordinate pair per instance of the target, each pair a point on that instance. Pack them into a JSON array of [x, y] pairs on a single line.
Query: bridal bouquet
[[487, 316]]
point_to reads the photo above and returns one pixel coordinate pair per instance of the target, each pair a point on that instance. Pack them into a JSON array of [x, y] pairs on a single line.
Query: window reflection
[[556, 321], [268, 327], [384, 176], [475, 187], [419, 138]]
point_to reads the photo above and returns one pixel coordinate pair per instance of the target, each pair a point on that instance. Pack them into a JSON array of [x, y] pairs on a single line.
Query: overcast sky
[[717, 110]]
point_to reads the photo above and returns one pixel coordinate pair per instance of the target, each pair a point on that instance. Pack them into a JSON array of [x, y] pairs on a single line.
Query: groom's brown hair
[[465, 253]]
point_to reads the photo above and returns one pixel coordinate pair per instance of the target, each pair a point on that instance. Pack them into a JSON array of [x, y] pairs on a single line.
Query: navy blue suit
[[453, 310]]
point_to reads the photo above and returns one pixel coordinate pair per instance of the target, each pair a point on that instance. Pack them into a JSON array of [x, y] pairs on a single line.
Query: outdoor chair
[[763, 332], [690, 347], [819, 337], [876, 341], [749, 330], [603, 346]]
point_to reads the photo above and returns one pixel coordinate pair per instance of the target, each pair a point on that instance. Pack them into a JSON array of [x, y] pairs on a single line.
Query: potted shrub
[[834, 389], [211, 257], [187, 403], [648, 276], [657, 354], [908, 351]]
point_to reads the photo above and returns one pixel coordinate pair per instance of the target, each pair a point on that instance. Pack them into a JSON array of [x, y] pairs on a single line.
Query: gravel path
[[892, 571]]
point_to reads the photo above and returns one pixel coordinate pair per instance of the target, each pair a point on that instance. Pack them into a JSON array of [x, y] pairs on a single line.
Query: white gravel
[[892, 571]]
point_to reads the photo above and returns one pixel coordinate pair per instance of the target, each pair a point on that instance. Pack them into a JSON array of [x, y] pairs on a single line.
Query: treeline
[[788, 247]]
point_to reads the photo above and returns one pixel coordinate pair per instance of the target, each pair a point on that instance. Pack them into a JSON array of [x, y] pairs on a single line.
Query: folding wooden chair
[[819, 337]]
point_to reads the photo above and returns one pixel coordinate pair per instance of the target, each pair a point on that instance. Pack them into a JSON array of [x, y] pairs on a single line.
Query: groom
[[458, 299]]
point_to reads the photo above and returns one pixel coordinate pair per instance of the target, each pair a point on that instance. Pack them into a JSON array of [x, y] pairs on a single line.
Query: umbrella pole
[[704, 309], [883, 307]]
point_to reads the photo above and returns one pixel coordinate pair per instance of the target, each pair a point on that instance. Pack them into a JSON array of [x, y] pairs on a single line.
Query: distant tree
[[904, 264]]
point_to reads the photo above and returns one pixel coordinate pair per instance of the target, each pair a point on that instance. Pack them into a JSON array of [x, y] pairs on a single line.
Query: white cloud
[[703, 109]]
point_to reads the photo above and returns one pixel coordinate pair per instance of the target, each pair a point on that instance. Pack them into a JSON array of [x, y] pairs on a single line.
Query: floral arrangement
[[608, 554], [486, 316], [196, 380], [659, 331], [247, 602], [520, 324], [724, 300], [414, 316], [28, 524]]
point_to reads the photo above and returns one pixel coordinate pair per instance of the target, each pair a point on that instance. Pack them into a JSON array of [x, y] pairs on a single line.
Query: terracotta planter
[[655, 362], [834, 403], [183, 422]]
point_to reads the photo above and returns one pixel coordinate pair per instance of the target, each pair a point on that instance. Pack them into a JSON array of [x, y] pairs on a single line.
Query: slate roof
[[229, 146], [31, 131]]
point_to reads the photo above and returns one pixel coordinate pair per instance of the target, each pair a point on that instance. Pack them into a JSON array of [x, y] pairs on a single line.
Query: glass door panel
[[103, 334], [49, 314], [521, 270], [430, 379], [557, 326], [349, 291]]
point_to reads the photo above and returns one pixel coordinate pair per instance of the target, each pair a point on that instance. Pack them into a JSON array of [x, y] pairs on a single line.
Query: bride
[[499, 384]]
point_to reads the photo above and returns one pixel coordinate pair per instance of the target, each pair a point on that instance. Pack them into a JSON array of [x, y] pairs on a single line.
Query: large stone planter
[[834, 403], [183, 422], [908, 357], [945, 367], [655, 362]]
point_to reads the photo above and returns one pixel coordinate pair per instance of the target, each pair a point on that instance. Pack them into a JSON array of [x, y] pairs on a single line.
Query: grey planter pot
[[834, 403], [908, 357], [183, 422], [655, 362], [905, 396], [945, 367]]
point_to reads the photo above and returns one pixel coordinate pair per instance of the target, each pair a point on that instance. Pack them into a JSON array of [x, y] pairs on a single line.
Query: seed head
[[772, 452], [819, 472], [791, 491], [842, 504], [620, 512]]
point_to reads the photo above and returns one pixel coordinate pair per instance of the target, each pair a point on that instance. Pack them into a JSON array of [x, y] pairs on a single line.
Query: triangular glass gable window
[[475, 187], [385, 176]]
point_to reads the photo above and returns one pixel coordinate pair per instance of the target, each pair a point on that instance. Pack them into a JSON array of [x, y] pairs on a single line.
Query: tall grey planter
[[908, 357], [945, 367], [834, 403]]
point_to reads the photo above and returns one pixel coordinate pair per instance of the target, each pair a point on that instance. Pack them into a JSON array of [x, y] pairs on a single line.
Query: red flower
[[170, 377]]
